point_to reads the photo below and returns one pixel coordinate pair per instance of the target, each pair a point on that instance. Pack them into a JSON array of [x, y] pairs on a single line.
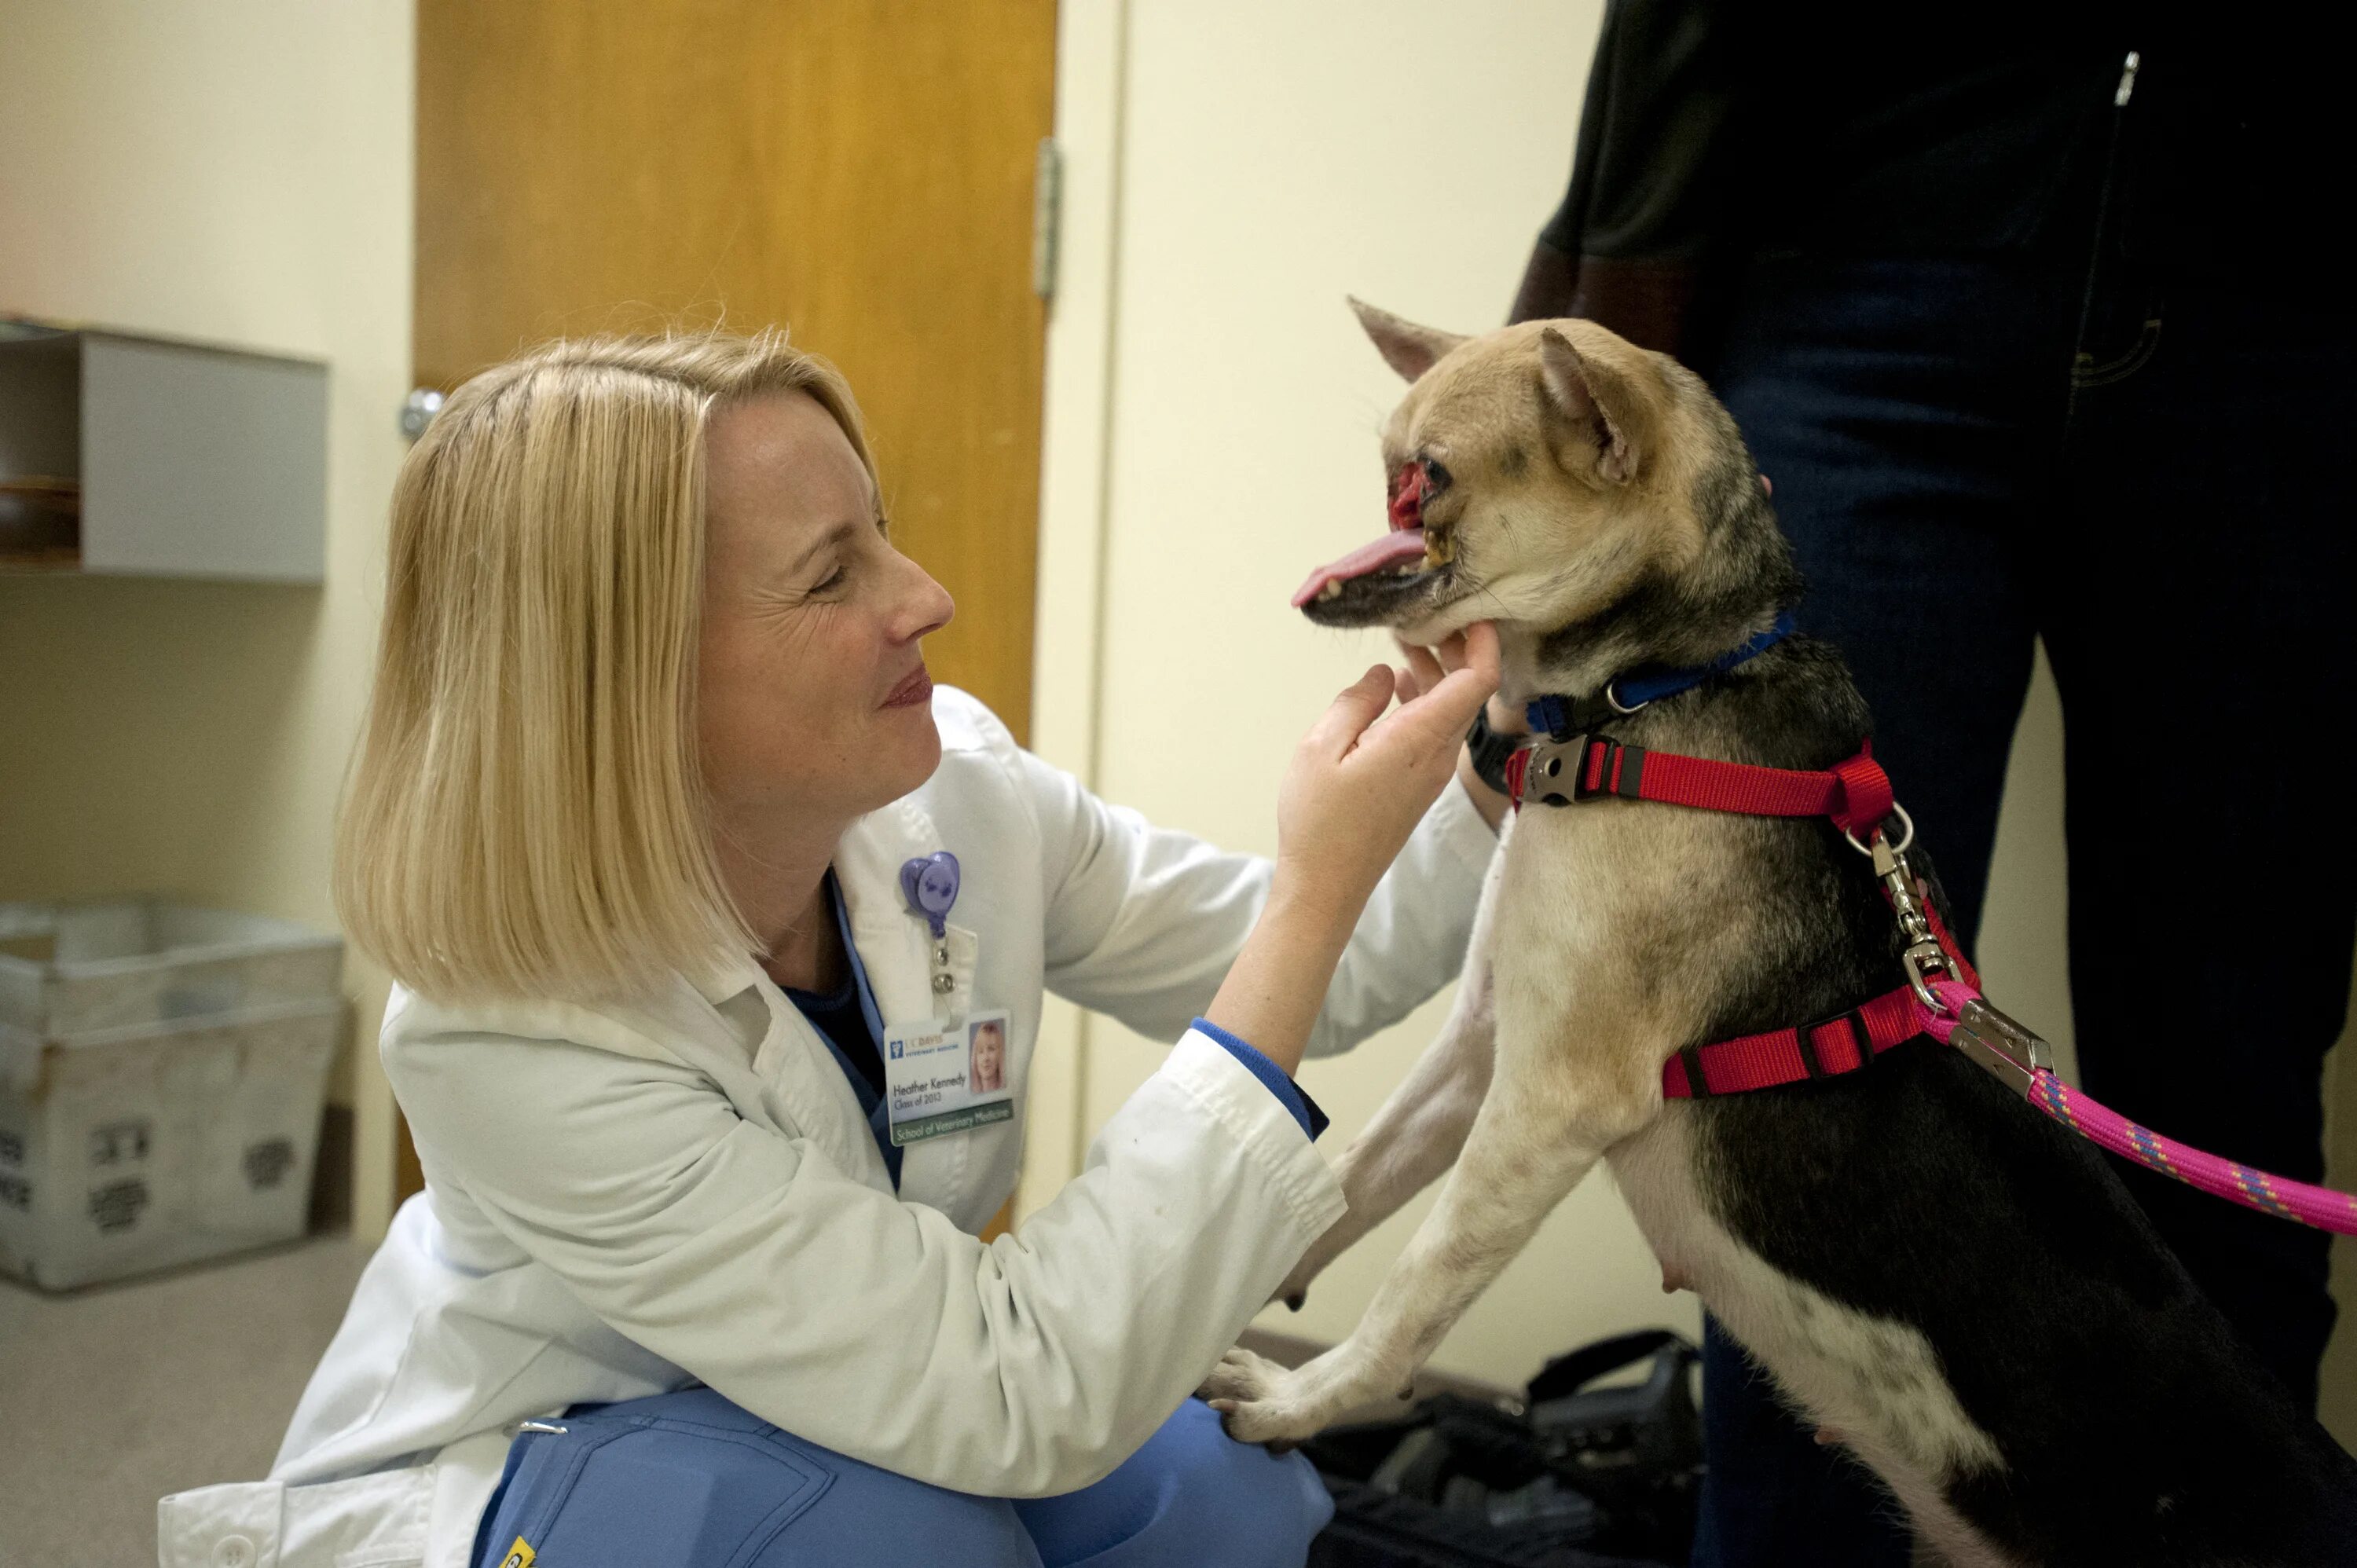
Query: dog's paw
[[1260, 1402], [1241, 1374]]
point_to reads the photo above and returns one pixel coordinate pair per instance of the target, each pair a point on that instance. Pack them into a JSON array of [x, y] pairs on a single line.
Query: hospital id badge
[[946, 1075]]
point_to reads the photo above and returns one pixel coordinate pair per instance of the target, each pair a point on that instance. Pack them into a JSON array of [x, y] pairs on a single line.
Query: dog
[[1946, 1283]]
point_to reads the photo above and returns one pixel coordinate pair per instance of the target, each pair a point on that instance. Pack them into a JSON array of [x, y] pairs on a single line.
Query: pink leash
[[1998, 1043]]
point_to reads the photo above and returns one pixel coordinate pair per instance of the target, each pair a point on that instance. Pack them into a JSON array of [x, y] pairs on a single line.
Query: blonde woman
[[688, 876]]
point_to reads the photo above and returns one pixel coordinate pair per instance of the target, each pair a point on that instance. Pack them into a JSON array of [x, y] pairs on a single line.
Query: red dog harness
[[1941, 997], [1856, 795]]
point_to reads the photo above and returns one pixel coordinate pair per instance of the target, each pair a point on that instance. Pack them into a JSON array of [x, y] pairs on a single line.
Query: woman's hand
[[1361, 779], [1358, 784], [1449, 656]]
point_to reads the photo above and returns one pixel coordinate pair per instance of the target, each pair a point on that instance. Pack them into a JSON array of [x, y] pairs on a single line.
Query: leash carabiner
[[1924, 956], [1920, 966]]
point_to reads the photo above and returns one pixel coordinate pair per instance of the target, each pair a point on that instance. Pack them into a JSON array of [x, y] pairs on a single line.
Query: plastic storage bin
[[71, 968], [162, 1072]]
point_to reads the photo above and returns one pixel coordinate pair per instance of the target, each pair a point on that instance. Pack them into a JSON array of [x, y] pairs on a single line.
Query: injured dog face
[[1588, 495]]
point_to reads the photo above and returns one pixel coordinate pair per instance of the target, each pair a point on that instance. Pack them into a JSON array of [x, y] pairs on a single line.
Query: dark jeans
[[2149, 474]]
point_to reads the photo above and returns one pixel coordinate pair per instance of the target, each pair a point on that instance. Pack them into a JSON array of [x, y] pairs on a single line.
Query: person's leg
[[1907, 414], [2202, 639], [1771, 1494], [689, 1480], [1193, 1497]]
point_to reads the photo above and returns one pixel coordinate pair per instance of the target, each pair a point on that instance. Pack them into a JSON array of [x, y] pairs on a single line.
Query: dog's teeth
[[1330, 591]]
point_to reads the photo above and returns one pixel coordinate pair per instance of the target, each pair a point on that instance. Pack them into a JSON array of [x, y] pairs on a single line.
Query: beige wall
[[1232, 169], [233, 170]]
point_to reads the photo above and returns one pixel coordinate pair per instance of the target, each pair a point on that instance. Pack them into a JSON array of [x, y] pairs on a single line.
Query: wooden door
[[859, 170]]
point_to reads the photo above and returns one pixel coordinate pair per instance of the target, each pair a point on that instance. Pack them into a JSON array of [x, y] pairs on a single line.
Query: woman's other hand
[[1427, 666], [1358, 784]]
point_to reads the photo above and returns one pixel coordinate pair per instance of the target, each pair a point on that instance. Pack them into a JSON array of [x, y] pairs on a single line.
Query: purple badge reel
[[930, 883]]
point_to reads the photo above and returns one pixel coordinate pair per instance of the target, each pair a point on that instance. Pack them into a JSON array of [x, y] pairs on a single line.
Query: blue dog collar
[[1559, 716]]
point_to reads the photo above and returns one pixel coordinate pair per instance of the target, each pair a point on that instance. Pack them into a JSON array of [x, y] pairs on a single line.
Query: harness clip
[[1551, 775], [1557, 772], [1619, 768]]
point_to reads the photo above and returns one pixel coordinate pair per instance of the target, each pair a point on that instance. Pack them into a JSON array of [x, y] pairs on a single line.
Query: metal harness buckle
[[1557, 774], [1553, 774]]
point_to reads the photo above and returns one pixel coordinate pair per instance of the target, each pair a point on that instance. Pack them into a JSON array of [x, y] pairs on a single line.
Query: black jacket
[[1716, 132]]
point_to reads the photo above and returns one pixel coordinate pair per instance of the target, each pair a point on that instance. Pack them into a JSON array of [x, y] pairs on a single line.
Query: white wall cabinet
[[191, 461]]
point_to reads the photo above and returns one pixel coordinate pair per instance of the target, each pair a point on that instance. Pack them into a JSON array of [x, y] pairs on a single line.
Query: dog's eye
[[1435, 478]]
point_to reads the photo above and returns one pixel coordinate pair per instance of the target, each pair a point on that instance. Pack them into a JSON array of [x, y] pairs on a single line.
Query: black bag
[[1601, 1479]]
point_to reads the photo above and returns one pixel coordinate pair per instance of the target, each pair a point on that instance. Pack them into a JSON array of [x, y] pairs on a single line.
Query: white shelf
[[194, 461]]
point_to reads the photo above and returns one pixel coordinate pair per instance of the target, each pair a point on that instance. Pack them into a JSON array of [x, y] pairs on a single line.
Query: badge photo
[[946, 1075]]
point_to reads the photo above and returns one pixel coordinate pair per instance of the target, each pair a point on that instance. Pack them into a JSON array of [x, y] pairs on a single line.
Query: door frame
[[1082, 380]]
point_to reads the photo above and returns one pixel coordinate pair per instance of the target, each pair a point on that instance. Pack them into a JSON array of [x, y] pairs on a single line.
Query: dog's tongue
[[1409, 487], [1400, 544]]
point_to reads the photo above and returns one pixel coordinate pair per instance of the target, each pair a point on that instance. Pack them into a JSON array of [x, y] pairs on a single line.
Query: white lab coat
[[621, 1201]]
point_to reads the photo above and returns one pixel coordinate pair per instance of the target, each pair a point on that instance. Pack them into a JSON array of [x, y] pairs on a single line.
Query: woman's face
[[989, 1056], [811, 693]]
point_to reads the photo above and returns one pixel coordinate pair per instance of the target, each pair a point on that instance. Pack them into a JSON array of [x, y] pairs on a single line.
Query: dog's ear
[[1593, 400], [1407, 348]]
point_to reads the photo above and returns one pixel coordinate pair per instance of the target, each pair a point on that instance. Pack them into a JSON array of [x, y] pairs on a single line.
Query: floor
[[111, 1396]]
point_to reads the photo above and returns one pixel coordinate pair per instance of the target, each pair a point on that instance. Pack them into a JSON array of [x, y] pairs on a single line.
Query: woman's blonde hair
[[526, 815]]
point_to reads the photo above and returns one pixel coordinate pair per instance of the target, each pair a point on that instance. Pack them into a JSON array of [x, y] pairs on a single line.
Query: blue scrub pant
[[689, 1480]]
